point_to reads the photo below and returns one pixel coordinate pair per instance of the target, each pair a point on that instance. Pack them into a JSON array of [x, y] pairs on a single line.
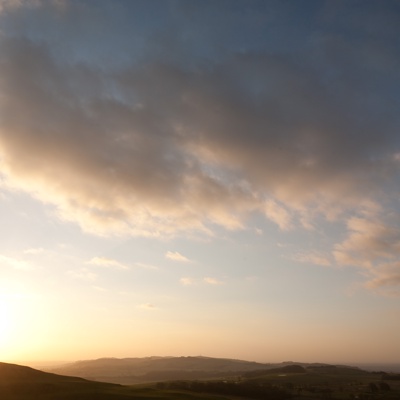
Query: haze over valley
[[196, 378]]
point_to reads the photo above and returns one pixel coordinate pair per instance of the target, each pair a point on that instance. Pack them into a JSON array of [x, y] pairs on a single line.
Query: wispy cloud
[[146, 266], [35, 251], [176, 256], [187, 281], [385, 279], [107, 263], [100, 288], [369, 242], [12, 5], [147, 306], [82, 274], [278, 214], [385, 276], [213, 281], [313, 257], [16, 263], [372, 244]]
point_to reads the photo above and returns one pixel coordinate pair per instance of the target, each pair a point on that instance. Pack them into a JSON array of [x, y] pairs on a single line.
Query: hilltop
[[148, 369], [130, 371]]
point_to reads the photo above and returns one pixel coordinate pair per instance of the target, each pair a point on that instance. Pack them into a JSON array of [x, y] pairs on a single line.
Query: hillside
[[19, 383], [12, 373]]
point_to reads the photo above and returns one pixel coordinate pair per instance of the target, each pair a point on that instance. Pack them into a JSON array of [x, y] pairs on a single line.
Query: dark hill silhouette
[[19, 382], [13, 373]]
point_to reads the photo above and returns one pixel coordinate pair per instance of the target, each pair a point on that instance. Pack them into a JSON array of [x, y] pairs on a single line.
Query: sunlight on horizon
[[6, 322]]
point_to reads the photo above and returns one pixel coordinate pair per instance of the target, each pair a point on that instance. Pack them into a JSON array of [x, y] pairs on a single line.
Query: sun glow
[[6, 323], [16, 310]]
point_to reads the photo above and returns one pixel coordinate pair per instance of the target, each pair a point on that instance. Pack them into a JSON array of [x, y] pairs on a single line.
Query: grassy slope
[[342, 382]]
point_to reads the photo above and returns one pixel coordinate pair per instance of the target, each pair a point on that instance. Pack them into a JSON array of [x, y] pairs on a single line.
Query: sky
[[216, 178]]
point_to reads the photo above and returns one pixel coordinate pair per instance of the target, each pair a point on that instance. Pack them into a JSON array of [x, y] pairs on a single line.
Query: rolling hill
[[150, 369], [129, 371]]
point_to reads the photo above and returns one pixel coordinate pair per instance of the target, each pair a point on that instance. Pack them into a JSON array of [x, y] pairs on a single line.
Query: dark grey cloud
[[170, 138], [252, 127]]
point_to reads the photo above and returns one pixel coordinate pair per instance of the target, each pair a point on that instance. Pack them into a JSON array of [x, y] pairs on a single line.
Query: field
[[341, 383]]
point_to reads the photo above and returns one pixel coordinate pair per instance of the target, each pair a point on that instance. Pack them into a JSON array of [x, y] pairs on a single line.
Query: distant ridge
[[148, 369], [151, 369], [273, 381]]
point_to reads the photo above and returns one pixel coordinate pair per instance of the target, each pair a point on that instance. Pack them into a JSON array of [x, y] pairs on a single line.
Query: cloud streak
[[176, 256], [147, 306], [368, 243], [373, 245], [82, 274], [16, 263], [185, 281], [212, 281], [313, 258], [107, 263]]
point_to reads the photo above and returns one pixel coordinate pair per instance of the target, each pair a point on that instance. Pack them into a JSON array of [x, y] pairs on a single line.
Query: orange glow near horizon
[[5, 322]]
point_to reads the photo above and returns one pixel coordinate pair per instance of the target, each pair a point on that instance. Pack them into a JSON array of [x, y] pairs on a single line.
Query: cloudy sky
[[215, 178]]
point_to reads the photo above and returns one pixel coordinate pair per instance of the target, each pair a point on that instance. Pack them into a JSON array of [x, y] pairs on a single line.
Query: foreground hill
[[18, 382], [13, 374]]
